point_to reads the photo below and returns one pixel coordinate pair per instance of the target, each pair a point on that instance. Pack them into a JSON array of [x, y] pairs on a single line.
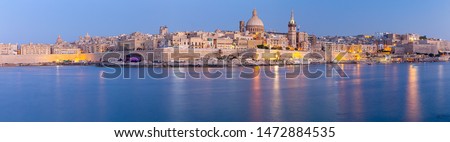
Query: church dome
[[255, 25], [255, 21]]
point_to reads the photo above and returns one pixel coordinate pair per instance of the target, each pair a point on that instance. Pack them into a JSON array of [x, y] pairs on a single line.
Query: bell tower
[[292, 32]]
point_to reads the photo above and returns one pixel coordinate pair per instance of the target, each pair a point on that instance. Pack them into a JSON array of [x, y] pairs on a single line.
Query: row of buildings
[[251, 34], [397, 44]]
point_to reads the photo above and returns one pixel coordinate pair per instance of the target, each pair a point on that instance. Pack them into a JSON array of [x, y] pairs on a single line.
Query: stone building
[[223, 43], [278, 40], [134, 42], [36, 49], [85, 44], [156, 41], [417, 48], [62, 47], [197, 42], [179, 39], [89, 44], [8, 49], [303, 41]]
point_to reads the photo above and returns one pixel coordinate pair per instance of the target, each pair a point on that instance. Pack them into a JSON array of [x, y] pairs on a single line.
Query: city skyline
[[72, 19]]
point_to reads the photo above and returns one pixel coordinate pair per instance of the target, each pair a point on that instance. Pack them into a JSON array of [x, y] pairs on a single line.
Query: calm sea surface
[[396, 92]]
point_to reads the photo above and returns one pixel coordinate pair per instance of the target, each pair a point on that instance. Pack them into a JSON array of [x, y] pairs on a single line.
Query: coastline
[[166, 65]]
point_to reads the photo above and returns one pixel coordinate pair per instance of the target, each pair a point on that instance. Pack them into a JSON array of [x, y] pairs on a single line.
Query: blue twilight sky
[[40, 21]]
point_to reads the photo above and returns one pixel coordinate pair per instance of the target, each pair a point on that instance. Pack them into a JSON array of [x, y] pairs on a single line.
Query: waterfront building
[[35, 49], [255, 24], [442, 45], [134, 42], [420, 48], [8, 49]]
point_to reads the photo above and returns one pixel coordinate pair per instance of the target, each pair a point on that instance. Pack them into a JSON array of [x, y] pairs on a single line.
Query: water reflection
[[357, 95], [350, 94], [59, 93], [276, 102], [441, 87], [177, 99], [256, 100], [394, 77], [371, 93], [413, 111], [101, 97], [393, 80]]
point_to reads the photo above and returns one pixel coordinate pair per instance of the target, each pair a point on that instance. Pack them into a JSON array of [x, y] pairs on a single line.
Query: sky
[[41, 21]]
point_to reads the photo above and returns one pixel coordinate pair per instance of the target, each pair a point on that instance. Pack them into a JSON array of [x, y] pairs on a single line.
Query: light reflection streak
[[256, 100], [58, 93], [394, 76], [413, 111], [276, 102], [357, 95]]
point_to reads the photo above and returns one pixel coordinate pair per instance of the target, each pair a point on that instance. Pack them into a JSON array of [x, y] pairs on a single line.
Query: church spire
[[292, 21], [255, 13], [292, 15]]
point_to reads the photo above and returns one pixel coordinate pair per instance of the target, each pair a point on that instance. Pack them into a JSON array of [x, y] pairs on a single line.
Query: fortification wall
[[158, 54], [16, 59]]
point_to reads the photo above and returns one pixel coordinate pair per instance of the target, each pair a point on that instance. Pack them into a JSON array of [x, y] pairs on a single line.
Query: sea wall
[[30, 59], [165, 54]]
